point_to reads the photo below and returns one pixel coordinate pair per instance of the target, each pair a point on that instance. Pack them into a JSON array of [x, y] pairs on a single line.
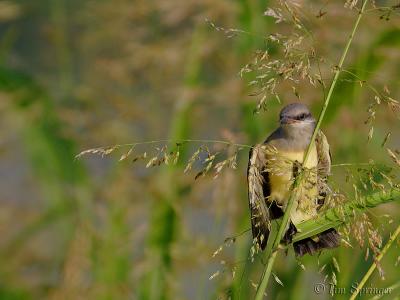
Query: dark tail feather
[[325, 240]]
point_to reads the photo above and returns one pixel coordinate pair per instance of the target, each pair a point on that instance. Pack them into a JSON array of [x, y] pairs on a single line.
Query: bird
[[271, 170]]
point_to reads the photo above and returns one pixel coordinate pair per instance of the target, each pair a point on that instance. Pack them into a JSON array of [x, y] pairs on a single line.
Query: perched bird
[[271, 170]]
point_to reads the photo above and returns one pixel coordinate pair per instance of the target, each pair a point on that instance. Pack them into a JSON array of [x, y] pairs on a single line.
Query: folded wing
[[258, 191]]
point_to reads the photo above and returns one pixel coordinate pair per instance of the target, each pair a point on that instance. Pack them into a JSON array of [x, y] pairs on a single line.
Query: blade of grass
[[285, 220]]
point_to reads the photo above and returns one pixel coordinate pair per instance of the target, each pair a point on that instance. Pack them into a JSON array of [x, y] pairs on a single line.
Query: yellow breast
[[280, 171]]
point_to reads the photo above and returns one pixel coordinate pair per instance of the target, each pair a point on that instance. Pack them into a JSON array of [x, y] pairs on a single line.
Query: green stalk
[[373, 266], [285, 220]]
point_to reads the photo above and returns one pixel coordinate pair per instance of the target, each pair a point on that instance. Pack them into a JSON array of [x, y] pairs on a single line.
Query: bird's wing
[[258, 189], [324, 166], [324, 155]]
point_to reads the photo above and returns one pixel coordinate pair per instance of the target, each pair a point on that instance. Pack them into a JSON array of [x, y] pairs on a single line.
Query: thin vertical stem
[[373, 266], [285, 220]]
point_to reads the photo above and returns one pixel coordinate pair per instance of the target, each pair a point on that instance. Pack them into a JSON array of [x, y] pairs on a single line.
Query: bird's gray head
[[296, 114]]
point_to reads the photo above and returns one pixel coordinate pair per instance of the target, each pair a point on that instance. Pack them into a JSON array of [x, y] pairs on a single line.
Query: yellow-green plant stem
[[271, 259], [373, 266]]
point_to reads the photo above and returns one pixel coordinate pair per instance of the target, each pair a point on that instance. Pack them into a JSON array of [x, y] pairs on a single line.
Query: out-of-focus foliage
[[81, 74]]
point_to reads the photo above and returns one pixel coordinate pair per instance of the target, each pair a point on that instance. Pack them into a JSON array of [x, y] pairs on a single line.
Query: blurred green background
[[81, 74]]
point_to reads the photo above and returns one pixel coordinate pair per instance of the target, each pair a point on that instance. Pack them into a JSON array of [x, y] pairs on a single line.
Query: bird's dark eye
[[302, 117]]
